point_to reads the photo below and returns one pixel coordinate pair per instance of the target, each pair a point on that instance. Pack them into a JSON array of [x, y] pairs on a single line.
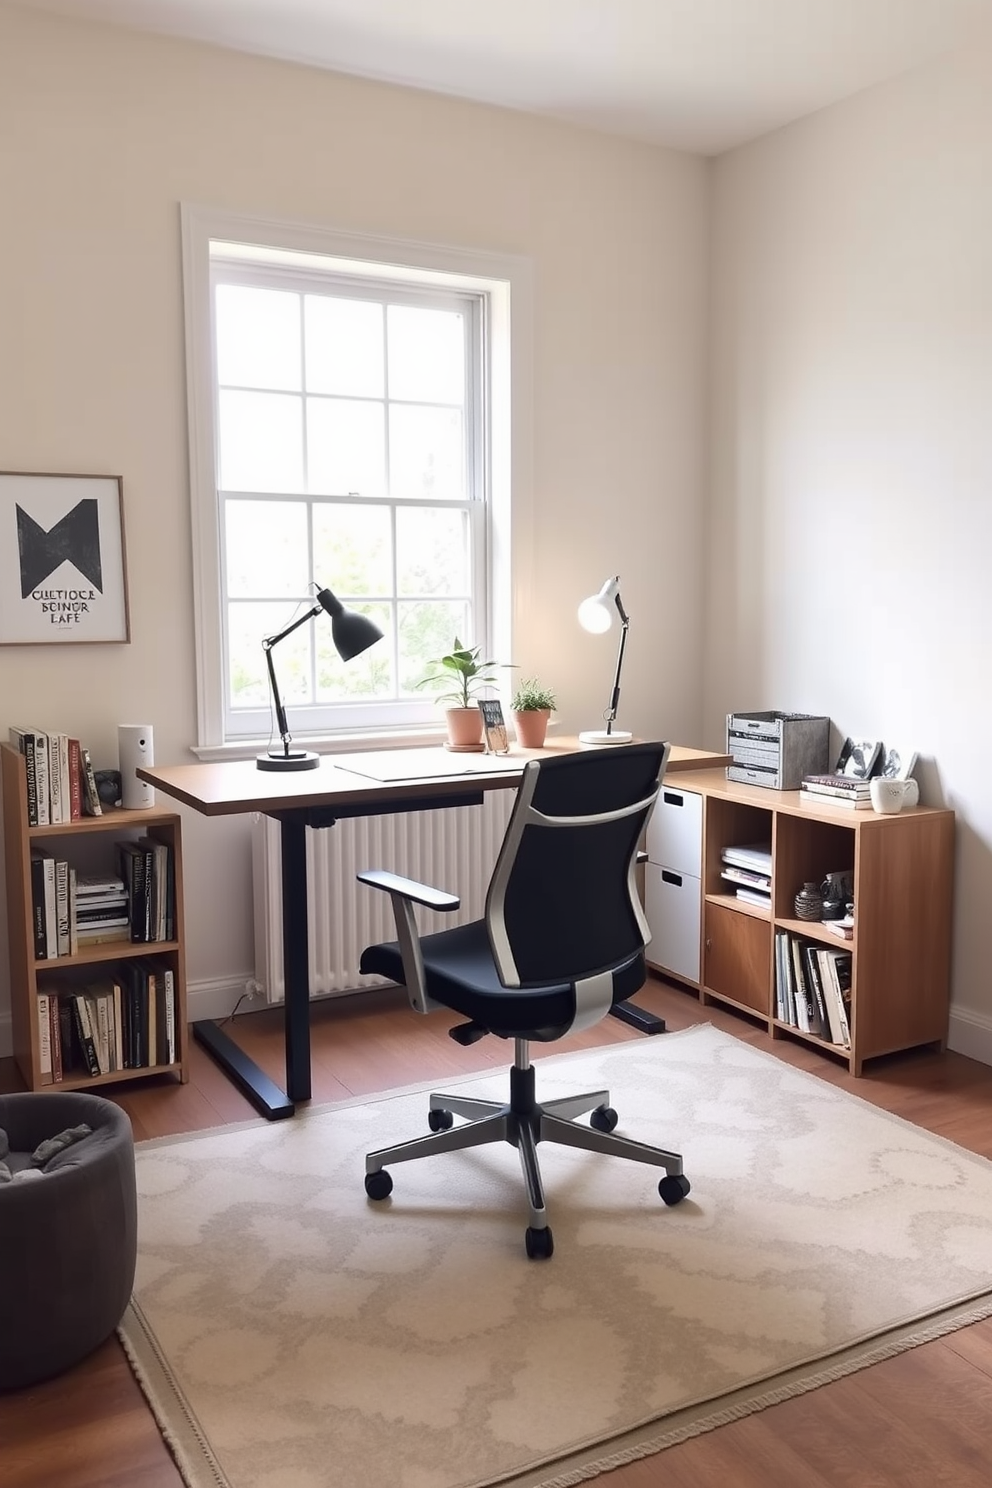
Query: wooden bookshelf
[[903, 867], [88, 843]]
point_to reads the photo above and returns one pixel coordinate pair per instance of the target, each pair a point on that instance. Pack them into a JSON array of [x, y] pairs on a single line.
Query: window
[[349, 430]]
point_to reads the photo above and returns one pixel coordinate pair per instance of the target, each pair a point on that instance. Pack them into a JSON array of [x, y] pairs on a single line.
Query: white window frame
[[502, 281]]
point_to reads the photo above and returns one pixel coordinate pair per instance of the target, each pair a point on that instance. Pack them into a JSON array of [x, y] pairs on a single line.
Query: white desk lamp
[[596, 616]]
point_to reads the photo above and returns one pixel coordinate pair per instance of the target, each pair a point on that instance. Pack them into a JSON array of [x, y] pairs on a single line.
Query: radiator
[[453, 849]]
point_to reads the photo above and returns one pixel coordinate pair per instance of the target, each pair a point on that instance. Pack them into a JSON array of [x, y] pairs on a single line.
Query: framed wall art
[[63, 576]]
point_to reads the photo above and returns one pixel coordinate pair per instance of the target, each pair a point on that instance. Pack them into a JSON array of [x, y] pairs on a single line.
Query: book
[[756, 856], [61, 907], [75, 780], [169, 1001], [131, 858], [55, 1037], [33, 744], [835, 967], [821, 801], [44, 1038], [841, 785], [754, 896], [858, 757], [747, 876], [92, 805], [843, 929], [40, 936], [803, 997], [815, 979], [84, 1029], [157, 857], [49, 903]]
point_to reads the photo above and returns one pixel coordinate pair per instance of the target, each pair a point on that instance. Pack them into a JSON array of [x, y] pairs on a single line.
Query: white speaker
[[135, 747]]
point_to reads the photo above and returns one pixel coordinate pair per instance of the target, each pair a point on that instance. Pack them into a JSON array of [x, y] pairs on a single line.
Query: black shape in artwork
[[74, 539]]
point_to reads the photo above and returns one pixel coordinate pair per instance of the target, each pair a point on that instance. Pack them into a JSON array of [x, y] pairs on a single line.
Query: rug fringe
[[937, 1328]]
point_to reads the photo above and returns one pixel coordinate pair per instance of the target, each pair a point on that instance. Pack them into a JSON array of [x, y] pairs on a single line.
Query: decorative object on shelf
[[897, 763], [62, 575], [108, 786], [466, 676], [135, 748], [890, 796], [532, 706], [596, 616], [493, 726], [776, 749], [352, 634], [809, 902], [859, 758]]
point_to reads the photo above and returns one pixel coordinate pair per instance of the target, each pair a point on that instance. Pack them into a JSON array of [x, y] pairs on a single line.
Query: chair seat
[[462, 976]]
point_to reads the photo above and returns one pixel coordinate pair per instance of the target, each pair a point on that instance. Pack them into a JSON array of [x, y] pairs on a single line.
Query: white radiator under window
[[453, 849]]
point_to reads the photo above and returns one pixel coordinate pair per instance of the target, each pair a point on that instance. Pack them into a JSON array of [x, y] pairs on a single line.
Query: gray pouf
[[68, 1237]]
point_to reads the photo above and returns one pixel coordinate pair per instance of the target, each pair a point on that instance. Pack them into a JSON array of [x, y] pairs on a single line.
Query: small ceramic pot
[[809, 902], [531, 727], [890, 796]]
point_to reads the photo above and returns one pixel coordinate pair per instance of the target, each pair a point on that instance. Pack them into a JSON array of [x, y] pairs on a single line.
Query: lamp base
[[296, 759], [600, 736]]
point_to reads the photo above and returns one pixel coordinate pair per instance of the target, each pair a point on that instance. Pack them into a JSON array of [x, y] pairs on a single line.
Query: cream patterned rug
[[290, 1333]]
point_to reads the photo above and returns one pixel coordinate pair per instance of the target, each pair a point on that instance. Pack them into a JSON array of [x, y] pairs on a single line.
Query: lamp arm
[[615, 699], [267, 646]]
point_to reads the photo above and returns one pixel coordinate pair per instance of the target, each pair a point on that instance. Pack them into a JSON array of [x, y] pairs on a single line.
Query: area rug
[[290, 1333]]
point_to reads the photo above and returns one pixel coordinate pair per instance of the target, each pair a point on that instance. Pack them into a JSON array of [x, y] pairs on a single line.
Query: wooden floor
[[923, 1418]]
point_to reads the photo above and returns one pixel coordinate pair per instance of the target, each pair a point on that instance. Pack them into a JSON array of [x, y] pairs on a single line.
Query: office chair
[[562, 941]]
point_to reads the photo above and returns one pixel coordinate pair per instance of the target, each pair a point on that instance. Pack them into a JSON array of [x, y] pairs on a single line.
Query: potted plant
[[532, 706], [465, 676]]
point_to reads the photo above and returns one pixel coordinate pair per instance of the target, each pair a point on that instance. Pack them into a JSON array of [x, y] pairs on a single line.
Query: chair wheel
[[440, 1120], [378, 1185], [604, 1118], [540, 1244], [674, 1190]]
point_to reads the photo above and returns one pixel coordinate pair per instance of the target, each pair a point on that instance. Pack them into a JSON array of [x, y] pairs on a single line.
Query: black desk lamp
[[352, 634], [596, 615]]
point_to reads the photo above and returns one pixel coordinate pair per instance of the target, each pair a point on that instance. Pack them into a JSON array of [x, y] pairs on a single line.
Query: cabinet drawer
[[675, 831], [672, 903], [737, 957]]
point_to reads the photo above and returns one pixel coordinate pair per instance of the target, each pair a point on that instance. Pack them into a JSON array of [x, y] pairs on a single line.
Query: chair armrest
[[409, 888]]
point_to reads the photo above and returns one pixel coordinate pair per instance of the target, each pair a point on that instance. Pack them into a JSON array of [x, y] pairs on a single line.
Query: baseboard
[[970, 1033]]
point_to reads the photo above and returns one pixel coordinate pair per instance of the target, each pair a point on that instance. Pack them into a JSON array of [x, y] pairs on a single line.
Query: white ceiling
[[700, 75]]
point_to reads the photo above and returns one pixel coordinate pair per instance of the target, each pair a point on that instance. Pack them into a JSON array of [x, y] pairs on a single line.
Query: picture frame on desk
[[63, 575], [493, 726]]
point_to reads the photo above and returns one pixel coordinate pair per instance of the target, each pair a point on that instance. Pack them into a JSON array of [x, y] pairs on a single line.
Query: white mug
[[890, 796]]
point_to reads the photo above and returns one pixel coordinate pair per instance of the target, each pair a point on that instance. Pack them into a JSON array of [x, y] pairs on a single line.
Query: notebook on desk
[[426, 764]]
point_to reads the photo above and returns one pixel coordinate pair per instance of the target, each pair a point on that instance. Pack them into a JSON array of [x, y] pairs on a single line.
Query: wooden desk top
[[229, 787]]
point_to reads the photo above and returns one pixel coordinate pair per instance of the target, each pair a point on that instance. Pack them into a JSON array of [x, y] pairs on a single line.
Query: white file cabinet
[[673, 883]]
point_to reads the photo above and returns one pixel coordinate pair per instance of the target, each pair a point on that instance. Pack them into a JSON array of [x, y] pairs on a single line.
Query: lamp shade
[[596, 613], [351, 633]]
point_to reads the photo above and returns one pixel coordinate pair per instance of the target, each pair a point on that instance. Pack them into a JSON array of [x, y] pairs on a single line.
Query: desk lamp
[[352, 634], [596, 615]]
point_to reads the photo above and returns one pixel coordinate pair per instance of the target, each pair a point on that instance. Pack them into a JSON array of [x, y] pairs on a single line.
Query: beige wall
[[851, 515], [103, 133]]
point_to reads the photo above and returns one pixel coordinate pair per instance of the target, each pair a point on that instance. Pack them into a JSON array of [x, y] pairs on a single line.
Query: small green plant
[[531, 697], [464, 672]]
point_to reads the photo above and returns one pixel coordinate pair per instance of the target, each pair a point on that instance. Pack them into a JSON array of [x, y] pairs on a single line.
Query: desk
[[319, 798]]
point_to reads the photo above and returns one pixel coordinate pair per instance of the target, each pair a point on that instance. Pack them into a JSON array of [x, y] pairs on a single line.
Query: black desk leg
[[263, 1093], [629, 1012]]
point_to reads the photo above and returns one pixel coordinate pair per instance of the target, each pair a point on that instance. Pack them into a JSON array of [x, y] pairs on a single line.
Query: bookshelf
[[903, 867], [88, 843]]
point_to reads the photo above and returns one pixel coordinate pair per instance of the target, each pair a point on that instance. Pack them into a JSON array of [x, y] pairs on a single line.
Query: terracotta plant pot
[[531, 727], [464, 727]]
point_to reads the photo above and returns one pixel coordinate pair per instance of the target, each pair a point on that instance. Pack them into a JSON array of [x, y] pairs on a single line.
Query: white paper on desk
[[425, 764]]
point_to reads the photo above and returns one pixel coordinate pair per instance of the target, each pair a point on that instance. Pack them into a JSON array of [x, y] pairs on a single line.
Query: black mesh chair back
[[563, 902]]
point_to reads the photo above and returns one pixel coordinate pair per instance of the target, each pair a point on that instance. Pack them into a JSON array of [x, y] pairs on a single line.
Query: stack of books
[[101, 909], [836, 790], [749, 869]]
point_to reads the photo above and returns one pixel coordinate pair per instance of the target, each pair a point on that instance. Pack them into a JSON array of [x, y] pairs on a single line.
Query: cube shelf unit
[[903, 869], [88, 844]]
